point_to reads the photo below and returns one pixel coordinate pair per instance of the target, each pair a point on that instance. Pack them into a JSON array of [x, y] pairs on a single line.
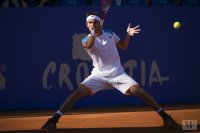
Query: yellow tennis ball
[[177, 25]]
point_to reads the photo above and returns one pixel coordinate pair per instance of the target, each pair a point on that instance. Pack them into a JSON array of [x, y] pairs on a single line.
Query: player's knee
[[82, 91], [136, 90]]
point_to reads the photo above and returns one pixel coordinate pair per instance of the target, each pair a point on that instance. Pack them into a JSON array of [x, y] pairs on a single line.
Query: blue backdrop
[[42, 61]]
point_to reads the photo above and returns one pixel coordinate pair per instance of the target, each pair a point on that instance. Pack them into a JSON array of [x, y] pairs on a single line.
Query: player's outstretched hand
[[134, 30]]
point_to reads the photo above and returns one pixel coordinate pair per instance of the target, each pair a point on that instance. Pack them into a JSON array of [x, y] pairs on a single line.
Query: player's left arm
[[123, 44]]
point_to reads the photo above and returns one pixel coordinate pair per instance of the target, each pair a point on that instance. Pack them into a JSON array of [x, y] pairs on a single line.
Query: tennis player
[[102, 46]]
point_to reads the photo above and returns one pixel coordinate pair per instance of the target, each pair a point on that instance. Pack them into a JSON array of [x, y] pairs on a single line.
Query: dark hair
[[92, 13]]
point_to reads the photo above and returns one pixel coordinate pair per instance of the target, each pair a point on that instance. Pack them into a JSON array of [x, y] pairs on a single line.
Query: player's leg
[[128, 86], [75, 96], [89, 86], [80, 92], [138, 91]]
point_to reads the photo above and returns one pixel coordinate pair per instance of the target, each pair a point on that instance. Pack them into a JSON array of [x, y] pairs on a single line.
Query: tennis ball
[[177, 25]]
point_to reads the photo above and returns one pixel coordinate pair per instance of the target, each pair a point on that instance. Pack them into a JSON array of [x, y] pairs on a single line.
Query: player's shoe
[[50, 125], [170, 123]]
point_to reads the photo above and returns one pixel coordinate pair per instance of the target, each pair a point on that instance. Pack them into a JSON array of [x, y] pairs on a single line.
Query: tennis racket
[[105, 6]]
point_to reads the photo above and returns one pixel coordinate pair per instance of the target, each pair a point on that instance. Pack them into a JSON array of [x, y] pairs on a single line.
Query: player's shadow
[[107, 130]]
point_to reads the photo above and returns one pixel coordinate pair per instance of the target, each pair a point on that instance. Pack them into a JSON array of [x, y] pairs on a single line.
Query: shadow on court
[[107, 130]]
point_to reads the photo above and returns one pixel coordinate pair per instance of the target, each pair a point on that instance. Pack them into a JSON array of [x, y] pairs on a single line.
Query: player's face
[[91, 24]]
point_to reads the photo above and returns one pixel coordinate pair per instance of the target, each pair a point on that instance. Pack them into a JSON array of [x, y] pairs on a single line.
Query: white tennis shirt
[[104, 53]]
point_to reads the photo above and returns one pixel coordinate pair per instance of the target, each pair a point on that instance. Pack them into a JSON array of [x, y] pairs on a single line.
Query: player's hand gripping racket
[[105, 6]]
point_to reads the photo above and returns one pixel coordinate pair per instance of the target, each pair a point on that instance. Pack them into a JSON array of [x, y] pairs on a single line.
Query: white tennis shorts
[[98, 82]]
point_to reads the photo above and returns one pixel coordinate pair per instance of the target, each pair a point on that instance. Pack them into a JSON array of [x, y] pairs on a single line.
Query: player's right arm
[[89, 42]]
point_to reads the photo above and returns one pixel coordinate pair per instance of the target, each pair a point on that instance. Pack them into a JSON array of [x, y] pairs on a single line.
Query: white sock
[[59, 112], [159, 110]]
